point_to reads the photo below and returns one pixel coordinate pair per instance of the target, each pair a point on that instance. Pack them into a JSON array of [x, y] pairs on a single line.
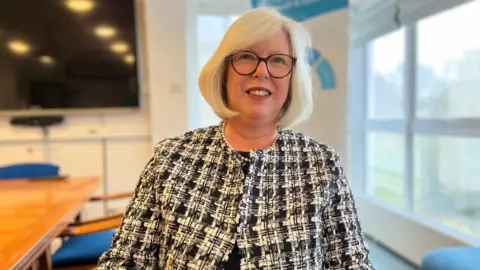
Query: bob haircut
[[252, 27]]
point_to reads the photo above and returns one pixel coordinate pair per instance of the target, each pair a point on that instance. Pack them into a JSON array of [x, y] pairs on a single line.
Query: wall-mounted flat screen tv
[[67, 55]]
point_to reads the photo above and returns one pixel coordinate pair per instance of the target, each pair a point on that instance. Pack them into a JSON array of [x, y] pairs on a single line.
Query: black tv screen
[[67, 54]]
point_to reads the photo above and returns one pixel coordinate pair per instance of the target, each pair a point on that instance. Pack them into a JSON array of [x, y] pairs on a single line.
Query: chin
[[261, 115]]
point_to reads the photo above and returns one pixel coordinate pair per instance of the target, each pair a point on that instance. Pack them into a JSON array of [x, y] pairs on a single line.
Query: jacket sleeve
[[135, 244], [342, 243]]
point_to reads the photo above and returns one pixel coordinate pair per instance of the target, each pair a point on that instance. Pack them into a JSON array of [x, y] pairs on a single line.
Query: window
[[385, 167], [210, 31], [446, 136], [448, 65], [420, 118], [385, 82], [385, 147], [446, 180]]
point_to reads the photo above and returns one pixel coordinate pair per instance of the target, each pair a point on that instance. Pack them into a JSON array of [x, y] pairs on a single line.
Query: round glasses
[[278, 65]]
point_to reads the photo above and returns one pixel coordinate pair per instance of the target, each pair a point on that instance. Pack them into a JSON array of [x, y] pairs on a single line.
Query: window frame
[[360, 125]]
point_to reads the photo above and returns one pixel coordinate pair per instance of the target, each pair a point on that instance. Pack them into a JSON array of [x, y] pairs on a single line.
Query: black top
[[233, 262]]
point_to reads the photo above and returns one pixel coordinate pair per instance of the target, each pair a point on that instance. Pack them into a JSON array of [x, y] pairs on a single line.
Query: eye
[[247, 56], [279, 60]]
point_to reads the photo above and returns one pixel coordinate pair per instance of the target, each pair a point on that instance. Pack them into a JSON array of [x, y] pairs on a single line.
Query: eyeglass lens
[[278, 65]]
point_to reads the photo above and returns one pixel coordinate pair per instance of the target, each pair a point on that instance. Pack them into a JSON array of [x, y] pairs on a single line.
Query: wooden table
[[34, 212]]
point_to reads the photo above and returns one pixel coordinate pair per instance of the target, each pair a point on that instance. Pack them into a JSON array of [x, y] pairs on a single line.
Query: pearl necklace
[[244, 159]]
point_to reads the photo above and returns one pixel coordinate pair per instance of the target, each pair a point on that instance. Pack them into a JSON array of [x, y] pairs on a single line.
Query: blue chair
[[28, 170], [85, 241], [83, 250], [454, 258]]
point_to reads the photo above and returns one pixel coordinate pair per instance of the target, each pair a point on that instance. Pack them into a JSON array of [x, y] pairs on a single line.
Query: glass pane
[[448, 64], [210, 31], [386, 152], [447, 181], [385, 76]]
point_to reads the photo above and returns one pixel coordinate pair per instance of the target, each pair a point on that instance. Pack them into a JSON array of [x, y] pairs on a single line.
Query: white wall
[[328, 123], [223, 6], [166, 47], [407, 235]]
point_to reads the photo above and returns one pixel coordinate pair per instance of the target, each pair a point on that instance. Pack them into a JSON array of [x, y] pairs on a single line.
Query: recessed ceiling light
[[119, 47], [80, 6], [46, 60], [105, 31], [129, 58], [19, 47]]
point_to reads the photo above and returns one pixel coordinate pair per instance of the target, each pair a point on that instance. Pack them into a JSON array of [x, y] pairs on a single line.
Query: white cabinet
[[19, 153], [125, 160], [80, 159], [114, 148]]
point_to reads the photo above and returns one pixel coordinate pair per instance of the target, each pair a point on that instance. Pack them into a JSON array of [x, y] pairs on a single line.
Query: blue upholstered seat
[[456, 258], [82, 250], [28, 170]]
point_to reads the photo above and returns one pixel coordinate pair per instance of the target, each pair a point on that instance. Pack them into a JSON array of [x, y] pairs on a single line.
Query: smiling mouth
[[261, 93]]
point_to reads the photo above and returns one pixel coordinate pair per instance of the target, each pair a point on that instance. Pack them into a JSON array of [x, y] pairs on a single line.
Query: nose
[[262, 70]]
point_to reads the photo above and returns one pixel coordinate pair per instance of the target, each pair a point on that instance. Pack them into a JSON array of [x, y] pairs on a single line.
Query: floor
[[383, 259]]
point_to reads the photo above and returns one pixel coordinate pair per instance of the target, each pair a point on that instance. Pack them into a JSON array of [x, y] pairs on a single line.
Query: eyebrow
[[269, 52], [278, 52]]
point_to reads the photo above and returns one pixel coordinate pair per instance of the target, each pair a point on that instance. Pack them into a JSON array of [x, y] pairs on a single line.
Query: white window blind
[[414, 10], [372, 18]]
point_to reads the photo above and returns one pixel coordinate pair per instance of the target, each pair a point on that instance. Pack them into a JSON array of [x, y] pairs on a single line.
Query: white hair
[[252, 27]]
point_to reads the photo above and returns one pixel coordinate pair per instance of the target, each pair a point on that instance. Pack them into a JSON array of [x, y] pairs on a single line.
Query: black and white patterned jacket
[[293, 210]]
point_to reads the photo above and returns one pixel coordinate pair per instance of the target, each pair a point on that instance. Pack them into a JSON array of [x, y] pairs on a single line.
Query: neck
[[244, 135]]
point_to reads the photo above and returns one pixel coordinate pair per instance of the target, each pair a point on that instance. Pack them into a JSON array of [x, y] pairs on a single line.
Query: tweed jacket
[[292, 210]]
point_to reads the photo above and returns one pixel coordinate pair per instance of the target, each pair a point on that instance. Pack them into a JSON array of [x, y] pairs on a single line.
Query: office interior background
[[410, 86]]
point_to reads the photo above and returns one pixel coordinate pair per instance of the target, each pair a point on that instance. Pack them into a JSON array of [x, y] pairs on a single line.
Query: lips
[[259, 91]]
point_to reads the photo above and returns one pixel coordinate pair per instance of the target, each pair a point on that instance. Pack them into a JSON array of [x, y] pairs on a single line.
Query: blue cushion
[[83, 250], [456, 258], [28, 170]]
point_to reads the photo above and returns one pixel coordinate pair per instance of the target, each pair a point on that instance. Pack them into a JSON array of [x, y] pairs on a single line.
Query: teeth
[[259, 92]]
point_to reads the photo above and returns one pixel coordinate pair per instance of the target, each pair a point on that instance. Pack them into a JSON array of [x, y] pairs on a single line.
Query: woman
[[249, 193]]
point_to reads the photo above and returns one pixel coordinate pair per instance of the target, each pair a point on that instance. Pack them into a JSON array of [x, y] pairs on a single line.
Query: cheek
[[283, 87], [233, 82]]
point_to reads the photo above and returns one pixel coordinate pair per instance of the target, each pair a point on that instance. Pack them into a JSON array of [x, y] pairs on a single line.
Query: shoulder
[[320, 157], [168, 151], [308, 144], [193, 138], [317, 155]]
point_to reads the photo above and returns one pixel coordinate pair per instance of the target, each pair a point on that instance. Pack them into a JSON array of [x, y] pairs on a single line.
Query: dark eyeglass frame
[[263, 59]]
